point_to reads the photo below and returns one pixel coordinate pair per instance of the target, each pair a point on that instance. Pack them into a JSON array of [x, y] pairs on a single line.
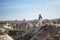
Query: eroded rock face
[[42, 33], [5, 37], [45, 33]]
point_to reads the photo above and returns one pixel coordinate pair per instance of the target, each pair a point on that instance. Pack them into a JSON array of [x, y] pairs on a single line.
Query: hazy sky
[[29, 9]]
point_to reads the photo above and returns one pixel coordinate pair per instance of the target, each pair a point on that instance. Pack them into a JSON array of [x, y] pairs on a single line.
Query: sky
[[29, 9]]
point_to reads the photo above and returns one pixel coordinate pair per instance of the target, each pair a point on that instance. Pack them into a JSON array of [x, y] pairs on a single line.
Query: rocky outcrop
[[45, 32]]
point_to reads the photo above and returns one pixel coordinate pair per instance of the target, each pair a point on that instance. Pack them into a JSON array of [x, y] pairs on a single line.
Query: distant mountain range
[[57, 20]]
